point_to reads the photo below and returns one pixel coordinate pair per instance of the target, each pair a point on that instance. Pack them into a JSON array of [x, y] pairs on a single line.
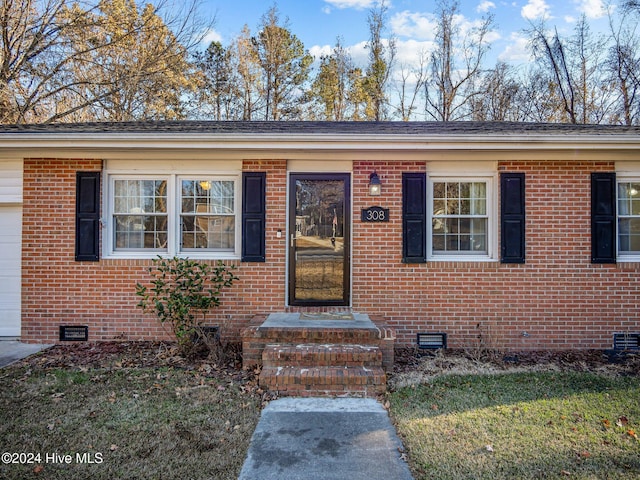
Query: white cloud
[[357, 4], [535, 9], [359, 54], [593, 9], [320, 50], [570, 19], [517, 51], [408, 53], [485, 6], [419, 26], [211, 36]]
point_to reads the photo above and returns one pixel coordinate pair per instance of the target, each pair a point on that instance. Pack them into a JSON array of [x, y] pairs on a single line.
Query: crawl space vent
[[626, 341], [432, 341], [74, 333]]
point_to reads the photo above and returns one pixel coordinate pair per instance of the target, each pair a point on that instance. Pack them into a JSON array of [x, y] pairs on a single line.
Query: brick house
[[520, 236]]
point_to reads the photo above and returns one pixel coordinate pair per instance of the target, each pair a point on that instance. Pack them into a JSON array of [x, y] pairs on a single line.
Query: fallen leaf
[[113, 447], [566, 473], [585, 454], [622, 421], [632, 433], [38, 469], [606, 423], [489, 448]]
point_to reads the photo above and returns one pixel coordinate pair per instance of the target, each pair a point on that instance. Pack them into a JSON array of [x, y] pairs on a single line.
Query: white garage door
[[10, 253]]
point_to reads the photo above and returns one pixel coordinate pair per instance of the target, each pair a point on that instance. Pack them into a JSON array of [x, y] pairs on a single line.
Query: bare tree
[[498, 101], [455, 64], [285, 66], [331, 86], [410, 87], [63, 62], [381, 58], [247, 74], [574, 69], [624, 67]]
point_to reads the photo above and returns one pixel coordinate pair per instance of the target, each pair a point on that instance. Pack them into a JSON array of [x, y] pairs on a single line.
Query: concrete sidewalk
[[324, 438], [13, 350]]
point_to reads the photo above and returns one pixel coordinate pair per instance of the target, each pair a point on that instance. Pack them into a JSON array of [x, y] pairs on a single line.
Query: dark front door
[[319, 220]]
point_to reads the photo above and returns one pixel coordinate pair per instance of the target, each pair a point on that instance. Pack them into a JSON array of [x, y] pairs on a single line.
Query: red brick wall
[[558, 297]]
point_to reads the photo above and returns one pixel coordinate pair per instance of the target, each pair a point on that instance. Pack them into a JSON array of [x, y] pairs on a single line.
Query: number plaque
[[375, 214]]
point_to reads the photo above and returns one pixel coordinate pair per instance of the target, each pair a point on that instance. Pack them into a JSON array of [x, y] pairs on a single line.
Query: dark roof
[[325, 128]]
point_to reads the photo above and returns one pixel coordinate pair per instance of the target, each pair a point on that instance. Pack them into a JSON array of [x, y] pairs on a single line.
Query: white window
[[461, 218], [140, 220], [193, 216], [629, 219], [207, 215]]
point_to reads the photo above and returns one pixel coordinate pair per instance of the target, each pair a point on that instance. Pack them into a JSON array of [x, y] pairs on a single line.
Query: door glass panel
[[318, 242]]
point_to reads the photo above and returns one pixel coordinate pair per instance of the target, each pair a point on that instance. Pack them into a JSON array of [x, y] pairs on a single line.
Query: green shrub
[[181, 293]]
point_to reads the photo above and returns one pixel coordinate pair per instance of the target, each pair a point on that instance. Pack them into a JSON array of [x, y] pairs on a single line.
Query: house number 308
[[375, 214]]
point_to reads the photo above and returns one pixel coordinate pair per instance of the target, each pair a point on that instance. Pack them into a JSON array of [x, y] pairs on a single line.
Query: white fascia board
[[46, 144]]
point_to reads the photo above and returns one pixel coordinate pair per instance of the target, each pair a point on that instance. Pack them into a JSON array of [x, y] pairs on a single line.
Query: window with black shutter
[[87, 216], [254, 216], [414, 218], [603, 217], [512, 217]]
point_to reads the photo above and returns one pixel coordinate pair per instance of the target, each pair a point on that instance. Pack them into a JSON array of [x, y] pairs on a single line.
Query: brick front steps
[[309, 357]]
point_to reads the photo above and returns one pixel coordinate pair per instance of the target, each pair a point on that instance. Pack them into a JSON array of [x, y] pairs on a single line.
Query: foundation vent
[[432, 341], [74, 333], [626, 341]]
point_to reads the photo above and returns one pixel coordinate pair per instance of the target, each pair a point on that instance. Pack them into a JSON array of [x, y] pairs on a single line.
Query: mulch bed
[[602, 361], [143, 354]]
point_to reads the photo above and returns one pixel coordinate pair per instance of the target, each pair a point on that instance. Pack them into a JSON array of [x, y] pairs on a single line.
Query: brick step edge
[[315, 355], [350, 376], [324, 381]]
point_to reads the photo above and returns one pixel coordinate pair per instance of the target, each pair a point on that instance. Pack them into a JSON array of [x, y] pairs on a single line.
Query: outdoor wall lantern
[[375, 188]]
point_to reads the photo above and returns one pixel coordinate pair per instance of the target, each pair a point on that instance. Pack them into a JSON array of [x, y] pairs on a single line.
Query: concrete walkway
[[13, 350], [324, 438]]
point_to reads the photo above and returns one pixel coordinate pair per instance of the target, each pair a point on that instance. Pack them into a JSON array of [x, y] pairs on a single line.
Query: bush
[[181, 294]]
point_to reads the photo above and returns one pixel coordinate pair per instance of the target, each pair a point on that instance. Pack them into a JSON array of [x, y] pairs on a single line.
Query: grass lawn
[[132, 410], [527, 425], [118, 422]]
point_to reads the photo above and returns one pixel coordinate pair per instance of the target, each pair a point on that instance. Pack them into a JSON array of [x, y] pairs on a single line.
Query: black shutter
[[87, 216], [254, 216], [512, 218], [414, 217], [603, 217]]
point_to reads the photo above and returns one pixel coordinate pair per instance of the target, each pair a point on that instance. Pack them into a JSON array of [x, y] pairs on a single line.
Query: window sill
[[190, 255], [462, 258], [628, 259]]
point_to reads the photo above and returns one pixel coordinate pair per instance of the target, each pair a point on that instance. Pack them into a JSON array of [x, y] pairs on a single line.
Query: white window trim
[[492, 212], [173, 223], [624, 257]]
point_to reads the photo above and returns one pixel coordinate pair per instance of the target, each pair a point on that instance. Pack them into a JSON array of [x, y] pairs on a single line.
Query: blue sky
[[319, 22]]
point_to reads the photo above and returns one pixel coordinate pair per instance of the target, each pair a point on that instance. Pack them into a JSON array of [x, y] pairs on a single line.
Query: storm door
[[319, 221]]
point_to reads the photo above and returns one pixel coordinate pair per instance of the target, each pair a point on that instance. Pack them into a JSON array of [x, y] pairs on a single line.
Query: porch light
[[205, 185], [375, 188]]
